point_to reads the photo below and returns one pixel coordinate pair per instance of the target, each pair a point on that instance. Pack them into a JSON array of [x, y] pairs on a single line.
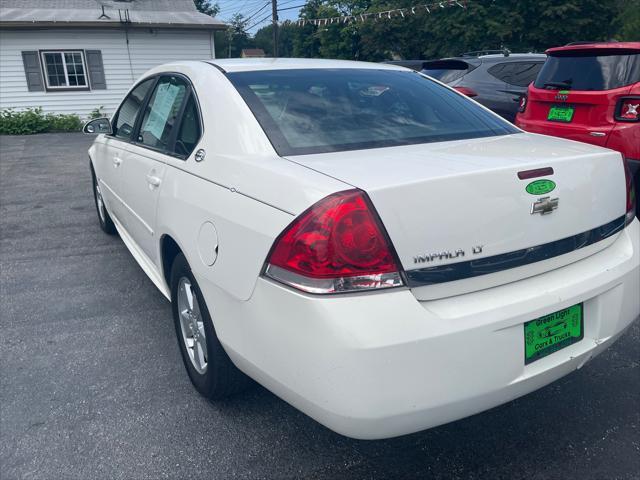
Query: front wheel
[[208, 365], [106, 224]]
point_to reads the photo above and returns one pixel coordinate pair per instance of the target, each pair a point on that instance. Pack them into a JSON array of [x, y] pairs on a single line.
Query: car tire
[[208, 365], [106, 224]]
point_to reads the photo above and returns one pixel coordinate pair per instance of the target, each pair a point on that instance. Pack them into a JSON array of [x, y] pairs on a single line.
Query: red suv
[[589, 92]]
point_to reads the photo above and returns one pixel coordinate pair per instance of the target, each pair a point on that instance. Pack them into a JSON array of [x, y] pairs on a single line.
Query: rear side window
[[332, 110], [589, 71], [128, 113], [447, 70], [189, 133], [519, 74], [162, 112]]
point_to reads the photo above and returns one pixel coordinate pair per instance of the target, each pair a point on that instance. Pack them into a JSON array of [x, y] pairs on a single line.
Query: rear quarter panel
[[245, 229], [242, 187]]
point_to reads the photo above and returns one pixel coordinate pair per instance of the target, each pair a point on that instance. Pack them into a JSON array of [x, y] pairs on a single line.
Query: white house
[[71, 56]]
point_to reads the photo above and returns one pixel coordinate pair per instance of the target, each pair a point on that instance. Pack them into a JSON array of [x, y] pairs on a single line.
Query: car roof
[[492, 58], [596, 46], [256, 64], [512, 56]]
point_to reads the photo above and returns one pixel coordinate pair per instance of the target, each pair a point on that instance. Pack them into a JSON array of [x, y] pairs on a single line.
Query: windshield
[[586, 71], [332, 110]]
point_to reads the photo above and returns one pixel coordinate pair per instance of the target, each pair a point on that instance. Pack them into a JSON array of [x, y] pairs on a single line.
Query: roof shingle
[[167, 13]]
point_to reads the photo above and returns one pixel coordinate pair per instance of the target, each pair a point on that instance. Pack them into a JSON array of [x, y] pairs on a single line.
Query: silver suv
[[496, 80]]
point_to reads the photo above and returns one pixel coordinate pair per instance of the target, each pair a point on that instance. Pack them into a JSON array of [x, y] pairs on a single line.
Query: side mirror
[[99, 125]]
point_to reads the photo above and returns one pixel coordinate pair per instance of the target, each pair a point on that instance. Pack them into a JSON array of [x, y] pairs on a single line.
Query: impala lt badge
[[446, 255], [544, 205]]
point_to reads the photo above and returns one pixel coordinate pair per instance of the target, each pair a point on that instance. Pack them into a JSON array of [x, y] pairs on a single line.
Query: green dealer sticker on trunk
[[540, 187]]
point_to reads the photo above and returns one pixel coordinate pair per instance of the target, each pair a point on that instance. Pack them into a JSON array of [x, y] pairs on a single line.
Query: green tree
[[264, 39], [523, 25], [208, 7], [231, 42], [629, 21]]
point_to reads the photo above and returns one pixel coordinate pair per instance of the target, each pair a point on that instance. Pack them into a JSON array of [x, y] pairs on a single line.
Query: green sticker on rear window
[[540, 187]]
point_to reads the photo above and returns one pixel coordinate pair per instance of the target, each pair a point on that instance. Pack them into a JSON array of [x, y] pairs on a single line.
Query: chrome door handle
[[597, 134], [116, 162], [153, 180]]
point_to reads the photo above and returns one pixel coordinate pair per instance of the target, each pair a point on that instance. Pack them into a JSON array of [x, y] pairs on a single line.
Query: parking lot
[[92, 384]]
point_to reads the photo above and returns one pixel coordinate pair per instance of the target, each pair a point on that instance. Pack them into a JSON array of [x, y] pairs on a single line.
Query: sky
[[259, 11]]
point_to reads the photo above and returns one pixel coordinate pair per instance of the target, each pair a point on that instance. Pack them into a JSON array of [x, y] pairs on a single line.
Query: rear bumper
[[385, 364], [577, 132]]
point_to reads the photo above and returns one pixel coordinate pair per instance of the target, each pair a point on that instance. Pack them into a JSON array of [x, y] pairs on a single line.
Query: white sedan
[[370, 245]]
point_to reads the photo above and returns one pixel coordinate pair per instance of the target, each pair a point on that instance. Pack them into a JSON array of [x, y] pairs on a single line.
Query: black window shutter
[[96, 70], [32, 70]]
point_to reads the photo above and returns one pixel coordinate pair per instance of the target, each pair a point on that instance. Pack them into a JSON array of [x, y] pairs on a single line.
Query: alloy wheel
[[192, 325], [100, 203]]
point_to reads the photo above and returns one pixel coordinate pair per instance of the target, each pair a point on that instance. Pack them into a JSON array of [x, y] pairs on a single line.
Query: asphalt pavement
[[92, 385]]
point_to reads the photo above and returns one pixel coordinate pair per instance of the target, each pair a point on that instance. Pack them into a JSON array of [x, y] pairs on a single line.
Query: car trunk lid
[[457, 204]]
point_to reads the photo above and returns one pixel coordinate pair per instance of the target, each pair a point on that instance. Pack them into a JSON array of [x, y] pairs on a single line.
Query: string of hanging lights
[[382, 15]]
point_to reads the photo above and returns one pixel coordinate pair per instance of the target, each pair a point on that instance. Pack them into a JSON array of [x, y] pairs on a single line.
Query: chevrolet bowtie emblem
[[544, 205]]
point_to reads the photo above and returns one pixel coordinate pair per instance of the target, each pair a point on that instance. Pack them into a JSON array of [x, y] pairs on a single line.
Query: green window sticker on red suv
[[548, 334], [540, 187]]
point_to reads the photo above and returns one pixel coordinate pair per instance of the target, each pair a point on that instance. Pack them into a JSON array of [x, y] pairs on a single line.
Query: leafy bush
[[63, 123], [22, 123], [97, 113], [32, 120]]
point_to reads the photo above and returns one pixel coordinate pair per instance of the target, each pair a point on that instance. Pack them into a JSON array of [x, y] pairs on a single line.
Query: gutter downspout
[[125, 22]]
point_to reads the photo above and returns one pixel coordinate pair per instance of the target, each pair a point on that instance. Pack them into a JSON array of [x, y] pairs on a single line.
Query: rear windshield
[[587, 71], [332, 110], [447, 70]]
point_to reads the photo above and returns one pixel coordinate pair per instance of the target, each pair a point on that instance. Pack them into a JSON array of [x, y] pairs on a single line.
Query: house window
[[65, 69]]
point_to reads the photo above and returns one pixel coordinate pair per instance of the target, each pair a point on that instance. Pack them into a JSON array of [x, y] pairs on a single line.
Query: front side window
[[125, 119], [329, 110], [162, 113], [65, 69]]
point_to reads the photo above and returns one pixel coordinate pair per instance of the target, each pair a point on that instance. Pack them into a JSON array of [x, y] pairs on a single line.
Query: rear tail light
[[337, 245], [628, 109], [466, 91], [522, 103], [631, 194]]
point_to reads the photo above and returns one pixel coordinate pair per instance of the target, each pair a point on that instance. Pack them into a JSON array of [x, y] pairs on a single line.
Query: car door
[[144, 164], [114, 149]]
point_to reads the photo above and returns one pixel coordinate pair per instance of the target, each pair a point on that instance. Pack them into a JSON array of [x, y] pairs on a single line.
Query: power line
[[257, 12], [290, 8], [259, 22]]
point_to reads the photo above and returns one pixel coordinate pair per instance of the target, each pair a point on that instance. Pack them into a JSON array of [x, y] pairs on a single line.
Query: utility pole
[[274, 22]]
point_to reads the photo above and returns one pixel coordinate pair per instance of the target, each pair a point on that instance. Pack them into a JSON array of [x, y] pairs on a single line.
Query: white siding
[[147, 49]]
